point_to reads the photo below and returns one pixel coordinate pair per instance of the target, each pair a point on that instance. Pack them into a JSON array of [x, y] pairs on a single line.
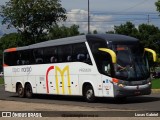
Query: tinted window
[[65, 53], [38, 55], [80, 53], [10, 58], [102, 59], [23, 57], [50, 55]]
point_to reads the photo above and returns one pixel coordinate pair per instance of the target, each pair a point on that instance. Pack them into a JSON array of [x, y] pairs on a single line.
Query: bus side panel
[[8, 79], [107, 86], [32, 80], [94, 80], [8, 84], [52, 84], [74, 85], [15, 80], [40, 84], [63, 79]]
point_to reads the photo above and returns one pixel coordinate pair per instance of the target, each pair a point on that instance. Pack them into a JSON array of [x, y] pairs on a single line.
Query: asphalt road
[[142, 103]]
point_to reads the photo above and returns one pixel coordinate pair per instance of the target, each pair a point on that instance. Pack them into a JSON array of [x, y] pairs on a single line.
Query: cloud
[[97, 21]]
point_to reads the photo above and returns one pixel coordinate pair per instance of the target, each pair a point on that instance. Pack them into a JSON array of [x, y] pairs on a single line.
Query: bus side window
[[102, 59], [81, 57], [65, 53], [10, 58], [80, 53], [69, 58], [88, 59], [38, 54], [50, 55], [24, 59]]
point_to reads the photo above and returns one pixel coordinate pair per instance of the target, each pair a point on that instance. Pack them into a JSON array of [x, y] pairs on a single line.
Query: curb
[[155, 90]]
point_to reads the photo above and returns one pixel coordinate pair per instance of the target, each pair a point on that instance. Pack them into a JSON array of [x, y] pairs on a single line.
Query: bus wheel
[[28, 91], [89, 94], [20, 91]]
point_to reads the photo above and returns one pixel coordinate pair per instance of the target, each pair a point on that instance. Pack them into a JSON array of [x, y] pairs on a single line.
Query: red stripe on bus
[[49, 69], [11, 50], [4, 65]]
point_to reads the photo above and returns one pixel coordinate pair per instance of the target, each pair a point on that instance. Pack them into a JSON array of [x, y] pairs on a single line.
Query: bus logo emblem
[[59, 72]]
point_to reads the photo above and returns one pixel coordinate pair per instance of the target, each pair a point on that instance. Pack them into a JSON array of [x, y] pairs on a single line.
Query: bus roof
[[114, 38], [78, 39]]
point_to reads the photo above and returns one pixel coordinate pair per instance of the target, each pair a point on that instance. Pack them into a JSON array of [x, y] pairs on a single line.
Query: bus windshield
[[132, 63]]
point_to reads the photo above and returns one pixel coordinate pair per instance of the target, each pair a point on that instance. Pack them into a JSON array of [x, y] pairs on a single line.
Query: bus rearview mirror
[[153, 53], [111, 52]]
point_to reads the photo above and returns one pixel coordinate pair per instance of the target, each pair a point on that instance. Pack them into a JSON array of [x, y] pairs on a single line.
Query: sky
[[111, 5], [104, 14]]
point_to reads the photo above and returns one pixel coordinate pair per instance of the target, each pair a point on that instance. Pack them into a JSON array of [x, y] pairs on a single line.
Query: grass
[[156, 84], [1, 80]]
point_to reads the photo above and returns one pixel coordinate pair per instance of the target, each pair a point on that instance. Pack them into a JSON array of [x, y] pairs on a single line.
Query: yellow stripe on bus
[[56, 76], [66, 69], [69, 82]]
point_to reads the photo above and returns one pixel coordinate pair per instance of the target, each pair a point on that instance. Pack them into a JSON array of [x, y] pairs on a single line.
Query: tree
[[158, 5], [126, 29], [63, 31], [149, 35], [10, 40], [95, 32], [110, 32], [32, 18]]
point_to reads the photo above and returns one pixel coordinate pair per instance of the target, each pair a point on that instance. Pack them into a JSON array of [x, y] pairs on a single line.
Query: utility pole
[[148, 19], [88, 18]]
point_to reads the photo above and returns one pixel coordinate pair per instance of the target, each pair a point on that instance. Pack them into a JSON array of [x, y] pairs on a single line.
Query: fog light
[[121, 85]]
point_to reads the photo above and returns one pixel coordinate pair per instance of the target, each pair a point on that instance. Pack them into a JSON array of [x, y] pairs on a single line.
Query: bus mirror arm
[[111, 52], [153, 53]]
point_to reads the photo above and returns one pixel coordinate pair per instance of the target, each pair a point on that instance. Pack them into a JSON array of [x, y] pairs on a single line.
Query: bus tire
[[89, 94], [28, 91], [20, 91]]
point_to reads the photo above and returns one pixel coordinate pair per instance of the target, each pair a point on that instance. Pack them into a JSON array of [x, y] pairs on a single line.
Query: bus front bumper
[[126, 91]]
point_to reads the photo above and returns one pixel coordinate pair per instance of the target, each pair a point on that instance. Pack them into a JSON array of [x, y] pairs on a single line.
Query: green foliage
[[32, 18], [148, 34], [95, 32], [10, 40], [158, 5], [156, 84], [126, 29], [63, 31], [1, 80]]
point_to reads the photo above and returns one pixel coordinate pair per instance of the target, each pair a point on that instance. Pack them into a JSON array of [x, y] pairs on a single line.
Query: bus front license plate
[[137, 92]]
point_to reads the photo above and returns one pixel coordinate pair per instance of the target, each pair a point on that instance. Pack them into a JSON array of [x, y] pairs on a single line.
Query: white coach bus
[[102, 65]]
